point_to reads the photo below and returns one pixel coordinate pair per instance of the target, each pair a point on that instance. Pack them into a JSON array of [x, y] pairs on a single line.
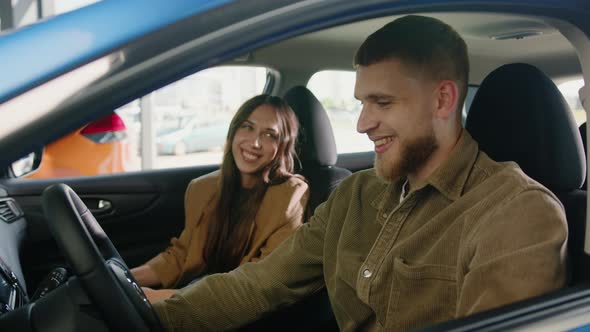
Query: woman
[[242, 212]]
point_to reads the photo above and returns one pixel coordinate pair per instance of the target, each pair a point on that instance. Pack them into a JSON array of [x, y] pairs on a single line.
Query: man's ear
[[447, 95]]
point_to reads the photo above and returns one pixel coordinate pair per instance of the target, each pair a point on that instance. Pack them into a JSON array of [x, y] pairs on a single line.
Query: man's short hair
[[425, 43]]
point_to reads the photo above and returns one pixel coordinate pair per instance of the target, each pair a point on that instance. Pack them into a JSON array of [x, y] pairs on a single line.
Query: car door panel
[[146, 210]]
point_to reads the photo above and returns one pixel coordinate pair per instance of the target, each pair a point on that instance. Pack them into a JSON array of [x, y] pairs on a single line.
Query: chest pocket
[[420, 295]]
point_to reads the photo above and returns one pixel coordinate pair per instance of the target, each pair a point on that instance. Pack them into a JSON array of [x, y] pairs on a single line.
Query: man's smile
[[382, 144]]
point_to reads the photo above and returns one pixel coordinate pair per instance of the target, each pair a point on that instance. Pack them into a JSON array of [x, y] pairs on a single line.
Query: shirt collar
[[404, 192], [450, 177]]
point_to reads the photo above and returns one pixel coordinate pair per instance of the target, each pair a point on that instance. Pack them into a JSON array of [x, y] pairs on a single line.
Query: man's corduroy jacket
[[478, 235]]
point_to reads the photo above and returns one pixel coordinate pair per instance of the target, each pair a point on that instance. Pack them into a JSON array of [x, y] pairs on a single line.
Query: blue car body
[[143, 42], [59, 44]]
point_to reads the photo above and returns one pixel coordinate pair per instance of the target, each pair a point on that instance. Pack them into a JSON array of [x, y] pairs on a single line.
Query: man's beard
[[414, 155]]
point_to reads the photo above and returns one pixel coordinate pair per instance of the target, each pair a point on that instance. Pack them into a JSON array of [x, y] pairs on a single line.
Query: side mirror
[[27, 164]]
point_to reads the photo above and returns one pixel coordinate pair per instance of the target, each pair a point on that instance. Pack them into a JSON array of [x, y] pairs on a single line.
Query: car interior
[[517, 113], [547, 148]]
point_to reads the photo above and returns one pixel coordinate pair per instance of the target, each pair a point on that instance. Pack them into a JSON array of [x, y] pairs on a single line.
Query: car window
[[335, 90], [182, 124], [569, 89], [471, 90]]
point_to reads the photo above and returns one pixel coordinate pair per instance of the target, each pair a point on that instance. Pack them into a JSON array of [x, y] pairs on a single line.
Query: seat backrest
[[518, 114], [317, 153], [316, 145], [585, 144]]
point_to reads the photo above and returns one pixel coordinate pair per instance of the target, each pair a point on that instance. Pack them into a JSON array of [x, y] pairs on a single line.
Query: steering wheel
[[96, 263]]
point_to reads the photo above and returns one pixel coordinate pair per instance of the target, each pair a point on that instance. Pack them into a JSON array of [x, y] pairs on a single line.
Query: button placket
[[383, 244], [376, 254]]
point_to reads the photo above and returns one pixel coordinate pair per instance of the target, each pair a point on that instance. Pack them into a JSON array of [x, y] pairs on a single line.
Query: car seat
[[316, 149], [316, 145], [518, 114], [585, 144]]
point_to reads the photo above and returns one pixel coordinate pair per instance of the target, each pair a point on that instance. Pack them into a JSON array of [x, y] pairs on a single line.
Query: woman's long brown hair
[[233, 217]]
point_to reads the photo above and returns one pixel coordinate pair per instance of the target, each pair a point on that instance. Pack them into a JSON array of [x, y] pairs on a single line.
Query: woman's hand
[[145, 276], [154, 295]]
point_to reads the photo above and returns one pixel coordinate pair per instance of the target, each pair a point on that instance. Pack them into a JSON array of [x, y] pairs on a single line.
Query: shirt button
[[367, 273], [384, 215]]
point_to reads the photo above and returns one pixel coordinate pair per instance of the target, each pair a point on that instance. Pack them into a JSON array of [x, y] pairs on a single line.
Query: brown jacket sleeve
[[282, 212], [226, 301], [171, 264], [498, 258]]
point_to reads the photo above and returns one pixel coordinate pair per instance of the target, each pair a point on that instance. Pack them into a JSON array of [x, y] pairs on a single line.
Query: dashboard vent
[[9, 210]]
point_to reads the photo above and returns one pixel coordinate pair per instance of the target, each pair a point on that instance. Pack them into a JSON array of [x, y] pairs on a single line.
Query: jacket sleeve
[[228, 300], [169, 264], [292, 215], [516, 253]]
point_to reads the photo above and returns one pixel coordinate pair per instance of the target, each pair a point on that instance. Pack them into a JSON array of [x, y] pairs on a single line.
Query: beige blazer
[[281, 212]]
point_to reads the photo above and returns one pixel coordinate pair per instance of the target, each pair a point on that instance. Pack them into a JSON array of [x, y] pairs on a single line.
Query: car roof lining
[[493, 39]]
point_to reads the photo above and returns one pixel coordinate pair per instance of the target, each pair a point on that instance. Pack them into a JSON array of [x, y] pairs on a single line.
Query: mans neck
[[418, 178]]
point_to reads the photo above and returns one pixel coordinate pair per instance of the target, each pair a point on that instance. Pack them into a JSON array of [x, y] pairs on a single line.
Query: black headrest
[[316, 138], [585, 145], [518, 114], [583, 135]]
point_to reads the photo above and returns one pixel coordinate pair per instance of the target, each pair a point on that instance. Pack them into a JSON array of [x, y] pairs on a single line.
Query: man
[[436, 231]]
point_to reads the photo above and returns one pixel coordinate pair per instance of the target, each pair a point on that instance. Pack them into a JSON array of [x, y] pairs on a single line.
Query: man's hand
[[157, 295]]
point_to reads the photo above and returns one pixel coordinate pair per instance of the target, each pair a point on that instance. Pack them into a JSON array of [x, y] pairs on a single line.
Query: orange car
[[100, 147]]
